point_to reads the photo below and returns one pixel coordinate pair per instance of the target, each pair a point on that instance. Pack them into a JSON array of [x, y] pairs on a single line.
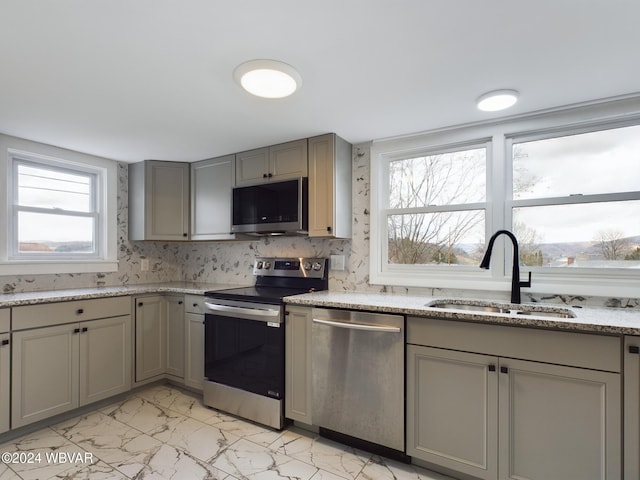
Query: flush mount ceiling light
[[497, 100], [267, 78]]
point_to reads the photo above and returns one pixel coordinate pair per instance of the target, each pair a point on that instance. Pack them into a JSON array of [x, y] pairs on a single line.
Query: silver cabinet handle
[[358, 326], [261, 312]]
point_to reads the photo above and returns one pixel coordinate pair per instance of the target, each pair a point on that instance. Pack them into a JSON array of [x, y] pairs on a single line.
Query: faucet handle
[[527, 283]]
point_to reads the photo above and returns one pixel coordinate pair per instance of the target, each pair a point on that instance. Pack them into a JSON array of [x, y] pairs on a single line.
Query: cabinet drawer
[[4, 320], [45, 314], [598, 352], [194, 303]]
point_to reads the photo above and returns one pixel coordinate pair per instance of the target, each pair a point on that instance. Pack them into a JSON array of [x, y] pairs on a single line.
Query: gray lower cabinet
[[570, 417], [58, 368], [175, 336], [493, 416], [298, 380], [194, 341], [452, 403], [151, 337], [632, 408], [5, 370], [160, 337]]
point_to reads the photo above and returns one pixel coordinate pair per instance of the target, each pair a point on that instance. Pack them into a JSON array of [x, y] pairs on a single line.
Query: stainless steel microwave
[[271, 208]]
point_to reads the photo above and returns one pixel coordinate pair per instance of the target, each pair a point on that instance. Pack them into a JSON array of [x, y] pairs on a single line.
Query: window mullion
[[56, 211], [595, 198], [436, 208]]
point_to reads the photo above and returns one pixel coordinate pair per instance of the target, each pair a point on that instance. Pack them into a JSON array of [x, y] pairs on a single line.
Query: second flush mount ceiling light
[[497, 100], [267, 78]]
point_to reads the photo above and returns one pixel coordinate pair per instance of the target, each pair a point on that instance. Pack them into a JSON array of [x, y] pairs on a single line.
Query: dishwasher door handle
[[358, 326]]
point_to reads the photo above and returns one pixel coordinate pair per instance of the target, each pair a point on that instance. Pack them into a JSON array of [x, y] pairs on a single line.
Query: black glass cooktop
[[256, 294]]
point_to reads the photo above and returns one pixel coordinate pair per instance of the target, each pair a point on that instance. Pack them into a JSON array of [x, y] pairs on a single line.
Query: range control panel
[[291, 267]]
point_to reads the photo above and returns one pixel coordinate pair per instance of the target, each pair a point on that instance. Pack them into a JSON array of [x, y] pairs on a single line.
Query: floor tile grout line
[[274, 446]]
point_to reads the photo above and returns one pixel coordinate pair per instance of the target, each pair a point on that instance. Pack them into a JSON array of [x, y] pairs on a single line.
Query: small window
[[436, 208], [55, 211], [576, 199]]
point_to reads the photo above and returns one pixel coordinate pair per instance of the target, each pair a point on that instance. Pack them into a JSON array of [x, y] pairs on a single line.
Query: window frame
[[556, 123], [385, 211], [95, 176], [14, 151]]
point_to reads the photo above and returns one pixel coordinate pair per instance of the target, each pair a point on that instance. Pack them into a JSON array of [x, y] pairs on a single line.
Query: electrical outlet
[[144, 264], [337, 262]]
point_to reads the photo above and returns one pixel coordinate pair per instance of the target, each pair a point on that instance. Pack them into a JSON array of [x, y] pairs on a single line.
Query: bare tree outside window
[[431, 220], [612, 244]]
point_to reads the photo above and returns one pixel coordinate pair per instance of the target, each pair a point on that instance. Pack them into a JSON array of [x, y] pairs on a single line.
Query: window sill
[[624, 285], [51, 267]]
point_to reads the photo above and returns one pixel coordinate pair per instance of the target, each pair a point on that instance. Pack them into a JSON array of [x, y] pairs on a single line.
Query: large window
[[567, 184], [59, 210], [576, 199]]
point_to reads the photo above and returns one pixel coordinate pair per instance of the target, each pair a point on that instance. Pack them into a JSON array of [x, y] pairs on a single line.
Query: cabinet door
[[298, 364], [321, 186], [167, 202], [211, 184], [558, 422], [288, 160], [452, 402], [330, 165], [5, 372], [194, 371], [632, 408], [252, 166], [175, 336], [105, 358], [45, 373], [151, 328]]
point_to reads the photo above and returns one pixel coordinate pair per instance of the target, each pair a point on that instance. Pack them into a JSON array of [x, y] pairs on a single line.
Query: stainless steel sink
[[511, 309], [553, 314], [466, 306]]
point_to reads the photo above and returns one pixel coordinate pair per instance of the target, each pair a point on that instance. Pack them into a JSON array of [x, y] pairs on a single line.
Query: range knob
[[317, 266], [307, 265], [267, 265], [259, 264]]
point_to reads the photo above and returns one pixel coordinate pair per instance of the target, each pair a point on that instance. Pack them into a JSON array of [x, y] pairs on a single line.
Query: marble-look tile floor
[[163, 432]]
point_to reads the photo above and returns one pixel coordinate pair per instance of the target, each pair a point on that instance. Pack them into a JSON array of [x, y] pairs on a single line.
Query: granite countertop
[[32, 298], [613, 321]]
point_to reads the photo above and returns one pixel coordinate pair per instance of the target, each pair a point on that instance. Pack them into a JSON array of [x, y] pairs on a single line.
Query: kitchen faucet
[[515, 273]]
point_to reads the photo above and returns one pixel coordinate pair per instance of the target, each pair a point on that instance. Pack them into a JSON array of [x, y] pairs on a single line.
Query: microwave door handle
[[358, 326]]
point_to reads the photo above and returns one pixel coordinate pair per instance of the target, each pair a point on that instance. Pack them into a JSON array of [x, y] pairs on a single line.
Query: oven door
[[244, 346]]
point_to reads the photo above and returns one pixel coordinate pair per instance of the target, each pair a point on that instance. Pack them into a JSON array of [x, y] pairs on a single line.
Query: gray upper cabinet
[[159, 200], [330, 212], [278, 162], [211, 184]]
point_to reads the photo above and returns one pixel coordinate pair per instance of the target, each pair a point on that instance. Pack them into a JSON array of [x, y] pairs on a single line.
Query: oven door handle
[[267, 314], [358, 326]]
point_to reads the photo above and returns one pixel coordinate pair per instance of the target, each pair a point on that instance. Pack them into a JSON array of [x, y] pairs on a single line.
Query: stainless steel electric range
[[245, 335]]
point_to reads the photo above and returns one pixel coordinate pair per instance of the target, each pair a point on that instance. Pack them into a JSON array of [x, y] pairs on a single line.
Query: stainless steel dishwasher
[[358, 378]]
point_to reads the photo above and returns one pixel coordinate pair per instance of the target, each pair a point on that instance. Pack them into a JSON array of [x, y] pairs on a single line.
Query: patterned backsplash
[[231, 262]]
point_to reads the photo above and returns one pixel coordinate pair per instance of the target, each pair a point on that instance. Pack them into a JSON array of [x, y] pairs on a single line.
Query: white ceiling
[[152, 79]]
